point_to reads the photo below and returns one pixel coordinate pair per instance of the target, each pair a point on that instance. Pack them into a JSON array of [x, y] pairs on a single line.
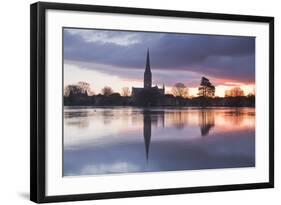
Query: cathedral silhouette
[[147, 81]]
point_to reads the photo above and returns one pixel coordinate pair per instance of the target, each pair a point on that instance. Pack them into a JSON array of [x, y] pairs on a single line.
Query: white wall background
[[14, 101]]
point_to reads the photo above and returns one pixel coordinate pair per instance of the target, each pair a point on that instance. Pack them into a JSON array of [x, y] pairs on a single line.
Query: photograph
[[143, 101], [134, 102]]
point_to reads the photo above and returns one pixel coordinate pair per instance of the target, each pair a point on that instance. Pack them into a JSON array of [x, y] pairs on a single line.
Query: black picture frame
[[38, 101]]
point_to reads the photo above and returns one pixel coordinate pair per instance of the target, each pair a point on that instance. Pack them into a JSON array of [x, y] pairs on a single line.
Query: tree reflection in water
[[124, 140], [206, 121], [77, 119]]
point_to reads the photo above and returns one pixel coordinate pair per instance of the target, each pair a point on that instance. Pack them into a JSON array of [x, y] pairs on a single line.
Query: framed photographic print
[[129, 102]]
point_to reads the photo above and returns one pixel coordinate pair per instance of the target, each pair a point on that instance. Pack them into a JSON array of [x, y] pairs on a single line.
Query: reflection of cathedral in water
[[146, 131], [206, 121], [154, 118], [151, 118]]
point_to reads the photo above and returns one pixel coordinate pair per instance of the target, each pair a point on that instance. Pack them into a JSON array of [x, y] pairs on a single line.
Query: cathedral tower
[[147, 73]]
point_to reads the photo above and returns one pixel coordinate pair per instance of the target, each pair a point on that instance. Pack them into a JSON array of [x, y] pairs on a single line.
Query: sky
[[117, 59]]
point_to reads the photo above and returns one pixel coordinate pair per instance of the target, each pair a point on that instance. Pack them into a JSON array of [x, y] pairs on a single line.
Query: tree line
[[81, 94], [83, 88]]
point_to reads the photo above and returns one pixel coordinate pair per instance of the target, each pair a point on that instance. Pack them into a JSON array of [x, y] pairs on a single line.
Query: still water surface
[[103, 140]]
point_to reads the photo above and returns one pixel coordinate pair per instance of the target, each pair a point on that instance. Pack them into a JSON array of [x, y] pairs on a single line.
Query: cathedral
[[147, 81]]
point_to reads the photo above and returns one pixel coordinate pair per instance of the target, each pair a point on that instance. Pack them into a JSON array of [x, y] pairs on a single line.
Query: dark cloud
[[225, 57]]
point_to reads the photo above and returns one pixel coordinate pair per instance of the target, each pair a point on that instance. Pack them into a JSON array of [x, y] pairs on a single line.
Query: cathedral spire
[[147, 72], [147, 67]]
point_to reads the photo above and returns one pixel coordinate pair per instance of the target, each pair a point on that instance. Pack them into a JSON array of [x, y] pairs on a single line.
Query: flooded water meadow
[[111, 140]]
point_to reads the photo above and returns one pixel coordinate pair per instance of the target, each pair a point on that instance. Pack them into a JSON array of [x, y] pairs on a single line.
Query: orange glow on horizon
[[220, 89]]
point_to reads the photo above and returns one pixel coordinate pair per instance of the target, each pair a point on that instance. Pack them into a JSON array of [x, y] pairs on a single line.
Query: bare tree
[[107, 91], [180, 90], [71, 90], [234, 92], [85, 87], [81, 88], [126, 92]]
